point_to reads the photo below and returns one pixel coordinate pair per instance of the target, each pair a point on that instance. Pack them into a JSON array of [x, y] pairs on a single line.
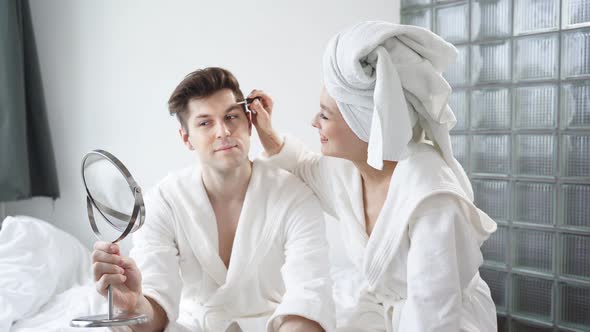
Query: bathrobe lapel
[[253, 237], [408, 188], [201, 231], [390, 226], [352, 216]]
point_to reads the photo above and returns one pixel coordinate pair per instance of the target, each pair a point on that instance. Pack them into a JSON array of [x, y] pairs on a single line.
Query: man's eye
[[230, 117], [204, 123], [322, 116]]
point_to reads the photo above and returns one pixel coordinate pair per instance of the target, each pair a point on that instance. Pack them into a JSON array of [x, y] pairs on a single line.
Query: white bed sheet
[[45, 277]]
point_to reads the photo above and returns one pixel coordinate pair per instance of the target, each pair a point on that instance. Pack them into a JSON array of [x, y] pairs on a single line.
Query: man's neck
[[224, 186]]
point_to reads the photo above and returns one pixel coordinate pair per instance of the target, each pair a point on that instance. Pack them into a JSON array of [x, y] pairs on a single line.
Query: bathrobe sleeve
[[156, 254], [306, 271], [442, 259], [310, 167]]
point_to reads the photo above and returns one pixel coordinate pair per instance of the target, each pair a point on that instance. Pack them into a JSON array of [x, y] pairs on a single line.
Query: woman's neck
[[373, 177]]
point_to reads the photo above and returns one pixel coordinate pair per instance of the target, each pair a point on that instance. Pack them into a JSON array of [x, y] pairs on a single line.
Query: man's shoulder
[[280, 179], [176, 176], [286, 195], [284, 190], [173, 181]]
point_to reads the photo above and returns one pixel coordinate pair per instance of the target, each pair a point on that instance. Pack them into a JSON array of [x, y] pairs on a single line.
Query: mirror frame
[[138, 214]]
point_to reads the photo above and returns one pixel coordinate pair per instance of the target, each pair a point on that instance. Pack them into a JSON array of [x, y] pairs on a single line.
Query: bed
[[45, 278]]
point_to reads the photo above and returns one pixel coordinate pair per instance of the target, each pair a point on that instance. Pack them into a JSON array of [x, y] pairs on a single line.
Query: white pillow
[[37, 261]]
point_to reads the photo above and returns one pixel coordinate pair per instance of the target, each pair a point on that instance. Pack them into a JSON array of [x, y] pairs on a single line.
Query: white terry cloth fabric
[[37, 262], [279, 262], [420, 265], [56, 314], [386, 78]]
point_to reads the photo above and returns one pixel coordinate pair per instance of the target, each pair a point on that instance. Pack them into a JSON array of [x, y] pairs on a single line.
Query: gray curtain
[[27, 163]]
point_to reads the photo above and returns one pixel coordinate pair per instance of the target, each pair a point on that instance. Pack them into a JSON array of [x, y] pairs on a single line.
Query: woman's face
[[337, 139]]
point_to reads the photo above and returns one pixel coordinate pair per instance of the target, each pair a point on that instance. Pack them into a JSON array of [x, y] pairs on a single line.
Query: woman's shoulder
[[425, 170]]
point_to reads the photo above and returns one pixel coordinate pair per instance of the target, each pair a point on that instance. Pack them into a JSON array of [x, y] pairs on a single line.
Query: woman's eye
[[322, 116], [230, 117]]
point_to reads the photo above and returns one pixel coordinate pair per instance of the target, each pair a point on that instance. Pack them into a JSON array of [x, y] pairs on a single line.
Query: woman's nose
[[314, 121]]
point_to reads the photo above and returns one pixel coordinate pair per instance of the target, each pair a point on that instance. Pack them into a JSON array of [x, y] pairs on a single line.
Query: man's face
[[218, 130]]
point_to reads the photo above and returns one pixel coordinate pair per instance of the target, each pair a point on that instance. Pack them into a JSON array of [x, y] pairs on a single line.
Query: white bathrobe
[[279, 261], [419, 268]]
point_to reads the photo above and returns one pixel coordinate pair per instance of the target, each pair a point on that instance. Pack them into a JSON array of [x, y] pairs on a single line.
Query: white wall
[[109, 67]]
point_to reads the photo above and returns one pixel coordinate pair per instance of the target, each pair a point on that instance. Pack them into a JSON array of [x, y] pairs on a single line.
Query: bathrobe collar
[[408, 188], [354, 200], [251, 236]]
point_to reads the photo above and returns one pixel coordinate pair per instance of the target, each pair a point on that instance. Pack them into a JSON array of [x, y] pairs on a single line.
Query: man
[[231, 244]]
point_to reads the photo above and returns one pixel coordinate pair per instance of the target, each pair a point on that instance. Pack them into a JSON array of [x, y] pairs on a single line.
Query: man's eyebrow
[[233, 108], [229, 109]]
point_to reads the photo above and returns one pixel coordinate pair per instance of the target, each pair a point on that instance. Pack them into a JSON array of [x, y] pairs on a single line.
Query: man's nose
[[223, 130]]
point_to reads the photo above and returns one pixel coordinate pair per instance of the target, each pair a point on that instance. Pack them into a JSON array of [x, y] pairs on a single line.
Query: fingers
[[101, 259], [257, 93], [256, 107], [263, 103], [128, 263], [107, 247], [106, 274], [104, 257], [267, 101], [109, 279], [100, 269], [105, 260]]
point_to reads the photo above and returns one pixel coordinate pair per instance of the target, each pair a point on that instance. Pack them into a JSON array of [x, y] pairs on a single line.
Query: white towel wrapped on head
[[386, 78]]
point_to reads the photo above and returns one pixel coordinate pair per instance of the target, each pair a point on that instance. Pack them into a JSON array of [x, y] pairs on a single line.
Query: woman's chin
[[326, 151], [330, 151]]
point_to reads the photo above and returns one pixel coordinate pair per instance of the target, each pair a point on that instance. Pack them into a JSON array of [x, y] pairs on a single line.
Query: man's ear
[[184, 137]]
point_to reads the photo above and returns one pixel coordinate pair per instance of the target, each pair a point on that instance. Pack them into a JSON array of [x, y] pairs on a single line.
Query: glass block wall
[[522, 100]]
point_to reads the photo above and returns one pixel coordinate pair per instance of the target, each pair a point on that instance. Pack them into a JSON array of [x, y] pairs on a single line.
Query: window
[[521, 95]]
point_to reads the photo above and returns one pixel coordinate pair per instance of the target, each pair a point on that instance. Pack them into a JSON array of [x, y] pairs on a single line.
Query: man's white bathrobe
[[279, 261], [419, 267]]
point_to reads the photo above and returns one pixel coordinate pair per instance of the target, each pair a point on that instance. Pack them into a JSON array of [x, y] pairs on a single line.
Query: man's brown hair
[[201, 83]]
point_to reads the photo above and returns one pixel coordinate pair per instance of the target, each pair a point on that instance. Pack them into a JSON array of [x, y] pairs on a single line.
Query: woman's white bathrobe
[[419, 268], [279, 261]]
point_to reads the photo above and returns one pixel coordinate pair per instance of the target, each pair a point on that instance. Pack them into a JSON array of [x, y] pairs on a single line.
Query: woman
[[406, 205]]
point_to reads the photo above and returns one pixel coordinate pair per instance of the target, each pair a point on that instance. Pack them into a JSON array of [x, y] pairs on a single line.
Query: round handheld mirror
[[112, 192]]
